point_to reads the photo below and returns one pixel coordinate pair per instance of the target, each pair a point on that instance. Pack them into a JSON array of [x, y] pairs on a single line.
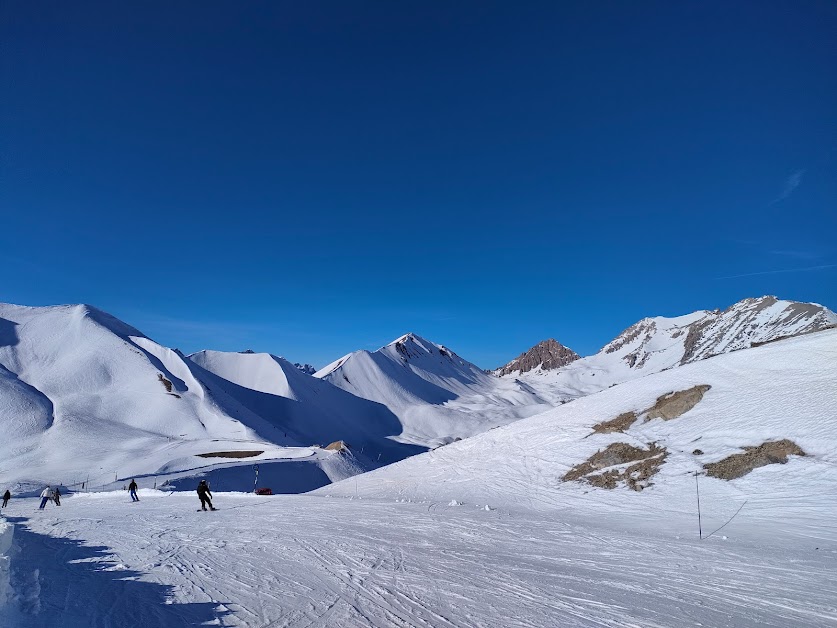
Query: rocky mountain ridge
[[546, 355]]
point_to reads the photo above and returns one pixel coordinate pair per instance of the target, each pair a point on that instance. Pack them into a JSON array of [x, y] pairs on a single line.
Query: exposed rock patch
[[337, 445], [674, 404], [619, 424], [549, 354], [231, 454], [667, 407], [738, 465], [165, 382], [643, 464]]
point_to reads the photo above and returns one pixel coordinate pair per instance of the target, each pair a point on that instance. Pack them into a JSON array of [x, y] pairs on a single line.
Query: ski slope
[[783, 390], [484, 532], [100, 561]]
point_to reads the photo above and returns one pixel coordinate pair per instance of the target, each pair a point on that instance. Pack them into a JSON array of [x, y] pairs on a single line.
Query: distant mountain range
[[82, 393], [658, 343]]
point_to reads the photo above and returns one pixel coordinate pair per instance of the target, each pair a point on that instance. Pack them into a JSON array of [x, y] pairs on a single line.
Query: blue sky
[[313, 178]]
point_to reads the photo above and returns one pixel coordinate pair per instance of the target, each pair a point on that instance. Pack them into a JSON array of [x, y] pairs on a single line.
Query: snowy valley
[[559, 491]]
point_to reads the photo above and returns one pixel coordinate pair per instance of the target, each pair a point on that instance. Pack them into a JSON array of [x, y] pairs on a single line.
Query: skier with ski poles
[[6, 497]]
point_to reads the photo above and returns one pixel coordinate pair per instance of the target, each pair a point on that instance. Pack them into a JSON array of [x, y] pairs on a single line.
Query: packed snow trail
[[300, 560]]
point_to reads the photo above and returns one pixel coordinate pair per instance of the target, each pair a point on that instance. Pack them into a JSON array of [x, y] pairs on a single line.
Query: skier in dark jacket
[[133, 488], [6, 497], [205, 495], [56, 496]]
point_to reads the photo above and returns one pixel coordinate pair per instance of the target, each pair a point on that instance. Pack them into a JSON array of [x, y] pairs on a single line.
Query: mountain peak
[[705, 333], [546, 355]]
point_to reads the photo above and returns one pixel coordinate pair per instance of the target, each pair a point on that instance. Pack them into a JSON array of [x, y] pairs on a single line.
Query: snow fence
[[6, 535]]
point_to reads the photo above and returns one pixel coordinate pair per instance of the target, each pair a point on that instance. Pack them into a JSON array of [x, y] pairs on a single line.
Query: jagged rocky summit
[[547, 355]]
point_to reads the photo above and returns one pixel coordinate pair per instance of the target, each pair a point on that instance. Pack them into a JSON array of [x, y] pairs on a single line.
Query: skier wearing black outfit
[[132, 487], [6, 497], [205, 495], [56, 496]]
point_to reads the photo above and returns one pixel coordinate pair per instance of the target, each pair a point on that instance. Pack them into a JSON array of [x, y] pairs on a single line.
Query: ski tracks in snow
[[300, 561]]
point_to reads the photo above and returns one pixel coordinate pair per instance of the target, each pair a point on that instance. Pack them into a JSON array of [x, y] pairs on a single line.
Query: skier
[[133, 488], [205, 495], [56, 496], [46, 495], [6, 497]]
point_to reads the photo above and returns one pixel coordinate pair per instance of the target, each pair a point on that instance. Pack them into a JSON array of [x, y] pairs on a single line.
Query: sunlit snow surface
[[483, 532]]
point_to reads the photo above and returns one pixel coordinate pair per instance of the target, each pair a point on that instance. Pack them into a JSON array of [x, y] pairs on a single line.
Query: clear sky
[[310, 178]]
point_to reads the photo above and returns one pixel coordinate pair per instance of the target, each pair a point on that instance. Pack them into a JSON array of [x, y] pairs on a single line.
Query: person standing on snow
[[46, 495], [205, 495], [56, 496], [132, 487], [6, 497]]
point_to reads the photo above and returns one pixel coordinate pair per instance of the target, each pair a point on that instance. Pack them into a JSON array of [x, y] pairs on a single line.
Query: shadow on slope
[[8, 333], [329, 414], [59, 581], [281, 477]]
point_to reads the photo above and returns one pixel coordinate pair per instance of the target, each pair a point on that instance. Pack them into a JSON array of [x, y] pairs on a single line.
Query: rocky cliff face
[[706, 333], [549, 354]]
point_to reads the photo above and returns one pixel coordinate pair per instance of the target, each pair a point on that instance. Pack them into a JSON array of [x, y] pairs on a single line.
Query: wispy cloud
[[803, 254], [781, 270], [791, 183]]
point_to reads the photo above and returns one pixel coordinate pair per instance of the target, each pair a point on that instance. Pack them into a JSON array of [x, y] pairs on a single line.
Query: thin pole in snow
[[697, 491]]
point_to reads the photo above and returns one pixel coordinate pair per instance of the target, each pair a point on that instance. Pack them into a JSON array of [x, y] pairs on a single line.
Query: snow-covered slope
[[437, 396], [783, 390], [656, 344], [85, 397], [305, 408]]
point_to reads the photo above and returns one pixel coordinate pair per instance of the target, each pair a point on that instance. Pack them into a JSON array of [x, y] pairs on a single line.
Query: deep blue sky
[[310, 178]]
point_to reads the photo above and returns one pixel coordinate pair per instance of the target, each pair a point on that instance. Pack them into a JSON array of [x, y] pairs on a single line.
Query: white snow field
[[782, 390], [484, 532]]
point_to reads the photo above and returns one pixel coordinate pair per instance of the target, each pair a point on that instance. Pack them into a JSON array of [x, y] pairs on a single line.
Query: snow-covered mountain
[[734, 419], [306, 368], [306, 409], [657, 344], [531, 524], [82, 392], [544, 356], [437, 395], [87, 398]]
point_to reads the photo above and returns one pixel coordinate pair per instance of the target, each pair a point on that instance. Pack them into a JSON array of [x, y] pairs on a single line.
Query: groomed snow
[[313, 561], [484, 532]]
